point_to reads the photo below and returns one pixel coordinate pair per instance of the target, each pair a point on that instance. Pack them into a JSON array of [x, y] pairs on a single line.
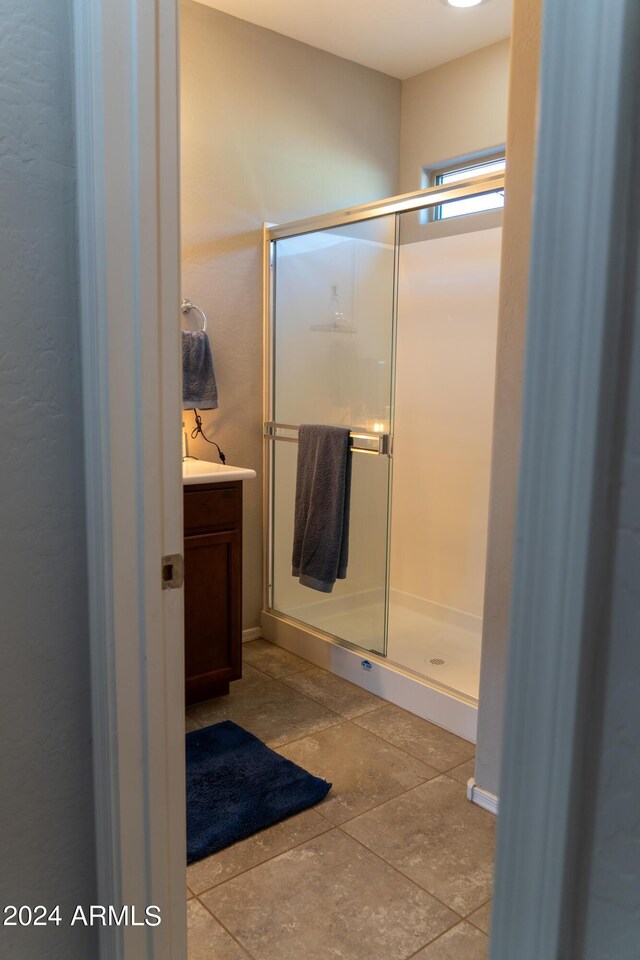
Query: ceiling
[[399, 38]]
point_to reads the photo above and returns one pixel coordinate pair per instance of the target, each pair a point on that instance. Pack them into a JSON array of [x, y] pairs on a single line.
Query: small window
[[476, 167]]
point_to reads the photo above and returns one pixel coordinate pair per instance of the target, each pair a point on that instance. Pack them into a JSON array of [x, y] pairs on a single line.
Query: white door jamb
[[574, 398], [126, 89]]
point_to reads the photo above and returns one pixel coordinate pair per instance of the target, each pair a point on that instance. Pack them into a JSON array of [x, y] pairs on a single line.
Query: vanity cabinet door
[[212, 607]]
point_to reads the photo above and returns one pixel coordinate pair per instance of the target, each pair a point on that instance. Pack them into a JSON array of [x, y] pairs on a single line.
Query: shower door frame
[[405, 203]]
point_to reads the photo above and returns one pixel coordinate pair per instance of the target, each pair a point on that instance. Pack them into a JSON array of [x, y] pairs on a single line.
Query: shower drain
[[437, 662]]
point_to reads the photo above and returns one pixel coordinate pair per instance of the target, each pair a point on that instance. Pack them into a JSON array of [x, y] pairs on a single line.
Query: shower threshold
[[438, 643], [425, 697]]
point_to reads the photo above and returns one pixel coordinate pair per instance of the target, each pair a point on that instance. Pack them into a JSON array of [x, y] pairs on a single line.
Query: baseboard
[[252, 633], [482, 798]]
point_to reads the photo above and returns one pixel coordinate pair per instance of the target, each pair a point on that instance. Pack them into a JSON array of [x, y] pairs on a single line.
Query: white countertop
[[202, 471]]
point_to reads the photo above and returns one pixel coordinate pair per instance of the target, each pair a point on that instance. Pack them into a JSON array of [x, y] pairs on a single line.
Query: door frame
[[575, 393], [126, 93], [126, 69]]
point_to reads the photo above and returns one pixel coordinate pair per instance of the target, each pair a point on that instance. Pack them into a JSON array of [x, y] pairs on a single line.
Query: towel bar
[[362, 441], [187, 306]]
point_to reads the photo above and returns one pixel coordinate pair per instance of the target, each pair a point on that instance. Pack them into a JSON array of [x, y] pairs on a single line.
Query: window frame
[[432, 176]]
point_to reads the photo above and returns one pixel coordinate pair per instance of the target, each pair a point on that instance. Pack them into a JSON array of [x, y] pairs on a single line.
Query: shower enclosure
[[383, 319]]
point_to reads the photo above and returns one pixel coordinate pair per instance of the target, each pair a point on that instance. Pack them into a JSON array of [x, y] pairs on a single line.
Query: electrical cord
[[198, 430]]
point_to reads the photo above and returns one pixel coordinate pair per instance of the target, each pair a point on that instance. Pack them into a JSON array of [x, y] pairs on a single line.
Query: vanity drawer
[[214, 507]]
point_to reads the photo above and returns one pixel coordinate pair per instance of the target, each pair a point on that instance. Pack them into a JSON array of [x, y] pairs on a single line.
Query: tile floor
[[394, 864]]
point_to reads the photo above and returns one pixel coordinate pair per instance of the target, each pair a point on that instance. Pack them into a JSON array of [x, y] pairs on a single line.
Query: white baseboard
[[483, 798], [374, 674], [252, 633]]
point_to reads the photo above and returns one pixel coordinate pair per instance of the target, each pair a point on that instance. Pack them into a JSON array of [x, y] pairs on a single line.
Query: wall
[[612, 925], [514, 282], [272, 130], [447, 322], [46, 808], [453, 110], [612, 879]]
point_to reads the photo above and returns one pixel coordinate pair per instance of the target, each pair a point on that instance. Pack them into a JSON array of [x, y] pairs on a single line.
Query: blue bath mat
[[236, 786]]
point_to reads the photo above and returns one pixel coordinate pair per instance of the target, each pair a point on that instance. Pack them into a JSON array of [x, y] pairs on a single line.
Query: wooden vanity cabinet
[[212, 588]]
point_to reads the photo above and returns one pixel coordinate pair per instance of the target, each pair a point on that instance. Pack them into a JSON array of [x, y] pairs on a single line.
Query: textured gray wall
[[613, 902], [46, 805], [272, 130]]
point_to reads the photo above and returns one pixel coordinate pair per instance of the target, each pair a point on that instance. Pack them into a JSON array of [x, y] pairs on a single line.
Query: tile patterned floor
[[393, 864]]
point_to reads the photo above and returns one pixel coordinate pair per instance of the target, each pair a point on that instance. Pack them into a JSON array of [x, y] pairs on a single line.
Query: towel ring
[[187, 306]]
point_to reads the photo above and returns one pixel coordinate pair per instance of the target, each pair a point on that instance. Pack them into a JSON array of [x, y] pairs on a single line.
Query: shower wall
[[446, 346], [447, 324], [334, 377]]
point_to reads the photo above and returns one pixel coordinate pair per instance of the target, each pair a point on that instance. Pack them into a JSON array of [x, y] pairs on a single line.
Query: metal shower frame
[[405, 203]]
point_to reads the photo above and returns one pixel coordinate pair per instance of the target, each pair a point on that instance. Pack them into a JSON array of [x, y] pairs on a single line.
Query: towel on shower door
[[199, 388], [323, 486]]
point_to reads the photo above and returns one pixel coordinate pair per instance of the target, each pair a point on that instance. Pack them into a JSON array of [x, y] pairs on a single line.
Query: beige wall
[[453, 110], [506, 427], [272, 130]]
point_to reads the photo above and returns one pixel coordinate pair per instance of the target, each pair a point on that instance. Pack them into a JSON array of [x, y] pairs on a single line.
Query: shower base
[[420, 632], [416, 638], [437, 641]]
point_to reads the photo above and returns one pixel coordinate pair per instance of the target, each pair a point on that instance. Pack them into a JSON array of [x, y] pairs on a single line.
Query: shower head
[[338, 323]]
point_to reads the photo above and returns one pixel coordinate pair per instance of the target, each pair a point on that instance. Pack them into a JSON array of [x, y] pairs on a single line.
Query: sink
[[202, 471]]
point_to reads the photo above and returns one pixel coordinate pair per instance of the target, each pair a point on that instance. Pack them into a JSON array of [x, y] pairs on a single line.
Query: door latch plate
[[172, 571]]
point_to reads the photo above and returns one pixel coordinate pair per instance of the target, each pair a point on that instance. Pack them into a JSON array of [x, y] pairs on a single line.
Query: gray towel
[[323, 487], [199, 388]]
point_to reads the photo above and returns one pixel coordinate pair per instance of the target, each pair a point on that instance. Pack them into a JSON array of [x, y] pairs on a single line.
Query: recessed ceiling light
[[463, 3]]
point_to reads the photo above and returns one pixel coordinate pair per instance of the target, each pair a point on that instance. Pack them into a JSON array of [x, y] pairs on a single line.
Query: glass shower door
[[333, 318]]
